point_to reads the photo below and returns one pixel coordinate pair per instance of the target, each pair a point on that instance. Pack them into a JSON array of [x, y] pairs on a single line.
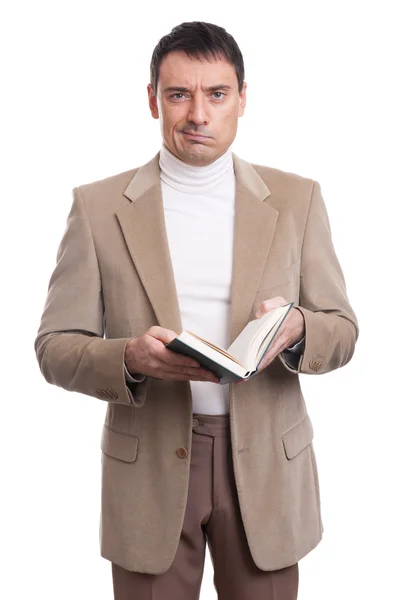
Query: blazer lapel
[[143, 225], [144, 229], [254, 228]]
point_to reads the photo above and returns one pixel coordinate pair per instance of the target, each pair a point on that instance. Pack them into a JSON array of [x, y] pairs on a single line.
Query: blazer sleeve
[[70, 346], [331, 327]]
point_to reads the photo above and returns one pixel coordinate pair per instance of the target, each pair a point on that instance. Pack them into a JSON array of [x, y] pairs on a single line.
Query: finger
[[277, 346], [197, 376], [179, 360], [265, 362], [176, 359], [197, 372]]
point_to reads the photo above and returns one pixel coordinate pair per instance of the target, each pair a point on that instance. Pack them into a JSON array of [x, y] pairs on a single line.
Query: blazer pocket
[[123, 446], [278, 278], [298, 437]]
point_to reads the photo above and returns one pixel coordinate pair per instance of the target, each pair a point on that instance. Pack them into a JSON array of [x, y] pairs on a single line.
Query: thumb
[[162, 334], [270, 304]]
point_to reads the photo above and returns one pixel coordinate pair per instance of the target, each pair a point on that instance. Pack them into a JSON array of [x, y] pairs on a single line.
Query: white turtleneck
[[199, 208]]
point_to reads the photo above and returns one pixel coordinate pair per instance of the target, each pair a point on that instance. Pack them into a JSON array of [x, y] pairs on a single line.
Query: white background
[[74, 109]]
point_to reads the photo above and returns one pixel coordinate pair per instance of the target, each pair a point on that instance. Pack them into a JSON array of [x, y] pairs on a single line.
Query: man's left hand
[[291, 331]]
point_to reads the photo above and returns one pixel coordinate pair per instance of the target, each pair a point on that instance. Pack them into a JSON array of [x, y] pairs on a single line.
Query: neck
[[191, 179]]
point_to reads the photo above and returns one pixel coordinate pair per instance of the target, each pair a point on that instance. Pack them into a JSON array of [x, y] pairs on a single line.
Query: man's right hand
[[148, 355]]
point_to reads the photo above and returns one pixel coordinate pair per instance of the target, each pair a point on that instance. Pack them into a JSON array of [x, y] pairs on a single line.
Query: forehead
[[178, 69]]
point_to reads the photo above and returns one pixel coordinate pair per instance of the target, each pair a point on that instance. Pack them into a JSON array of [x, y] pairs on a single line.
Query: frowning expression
[[198, 104]]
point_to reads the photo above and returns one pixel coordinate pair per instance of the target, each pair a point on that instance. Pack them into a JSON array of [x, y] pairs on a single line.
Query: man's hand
[[291, 331], [148, 355]]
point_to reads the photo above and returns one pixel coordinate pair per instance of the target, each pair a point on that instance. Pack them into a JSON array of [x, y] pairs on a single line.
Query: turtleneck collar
[[191, 179]]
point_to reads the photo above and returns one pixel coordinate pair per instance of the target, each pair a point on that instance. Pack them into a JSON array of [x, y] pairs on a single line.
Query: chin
[[200, 154]]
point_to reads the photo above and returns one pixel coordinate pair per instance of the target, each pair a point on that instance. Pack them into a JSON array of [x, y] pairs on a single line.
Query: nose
[[197, 113]]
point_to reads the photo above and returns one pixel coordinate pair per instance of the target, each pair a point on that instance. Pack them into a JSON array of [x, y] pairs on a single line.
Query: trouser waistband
[[215, 425]]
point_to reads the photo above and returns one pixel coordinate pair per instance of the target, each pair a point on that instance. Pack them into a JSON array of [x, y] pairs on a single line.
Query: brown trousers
[[213, 517]]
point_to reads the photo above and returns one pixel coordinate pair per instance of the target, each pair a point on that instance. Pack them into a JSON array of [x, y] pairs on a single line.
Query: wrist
[[301, 322], [128, 357], [133, 377], [298, 340]]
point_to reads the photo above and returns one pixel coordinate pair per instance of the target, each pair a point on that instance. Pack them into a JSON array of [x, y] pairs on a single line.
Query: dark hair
[[198, 40]]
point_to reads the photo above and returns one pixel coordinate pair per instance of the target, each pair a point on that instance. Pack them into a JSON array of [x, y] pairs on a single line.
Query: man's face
[[198, 104]]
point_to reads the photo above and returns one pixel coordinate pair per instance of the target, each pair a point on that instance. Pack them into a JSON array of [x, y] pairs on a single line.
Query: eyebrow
[[211, 88]]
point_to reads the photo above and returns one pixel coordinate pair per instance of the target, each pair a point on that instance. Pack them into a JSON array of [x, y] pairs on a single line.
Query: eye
[[218, 95], [177, 96]]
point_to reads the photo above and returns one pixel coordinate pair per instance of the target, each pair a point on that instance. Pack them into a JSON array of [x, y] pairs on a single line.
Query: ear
[[242, 100], [152, 102]]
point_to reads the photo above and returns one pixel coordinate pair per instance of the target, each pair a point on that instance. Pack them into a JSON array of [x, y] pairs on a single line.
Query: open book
[[241, 359]]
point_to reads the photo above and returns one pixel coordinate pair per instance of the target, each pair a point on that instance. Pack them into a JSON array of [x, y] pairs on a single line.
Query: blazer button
[[315, 365], [182, 452], [195, 423]]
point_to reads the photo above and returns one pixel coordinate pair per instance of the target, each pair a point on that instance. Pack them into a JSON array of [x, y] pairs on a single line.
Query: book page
[[217, 355], [217, 348], [270, 336], [251, 340]]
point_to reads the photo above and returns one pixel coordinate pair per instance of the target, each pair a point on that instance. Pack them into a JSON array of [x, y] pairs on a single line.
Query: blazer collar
[[143, 225], [149, 174]]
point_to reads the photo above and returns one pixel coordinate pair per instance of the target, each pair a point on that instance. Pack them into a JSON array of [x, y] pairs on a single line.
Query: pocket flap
[[119, 445], [298, 437]]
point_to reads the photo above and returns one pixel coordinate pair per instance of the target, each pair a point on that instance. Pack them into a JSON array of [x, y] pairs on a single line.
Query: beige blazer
[[114, 280]]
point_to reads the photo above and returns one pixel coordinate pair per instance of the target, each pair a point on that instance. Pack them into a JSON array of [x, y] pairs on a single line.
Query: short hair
[[198, 40]]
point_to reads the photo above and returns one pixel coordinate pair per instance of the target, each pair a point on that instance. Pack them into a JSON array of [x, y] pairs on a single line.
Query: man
[[199, 239]]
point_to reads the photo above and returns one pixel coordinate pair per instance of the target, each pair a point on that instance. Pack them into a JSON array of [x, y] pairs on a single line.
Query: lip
[[196, 136]]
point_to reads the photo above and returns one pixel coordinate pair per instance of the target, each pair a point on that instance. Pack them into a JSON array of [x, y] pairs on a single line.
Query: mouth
[[196, 136]]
